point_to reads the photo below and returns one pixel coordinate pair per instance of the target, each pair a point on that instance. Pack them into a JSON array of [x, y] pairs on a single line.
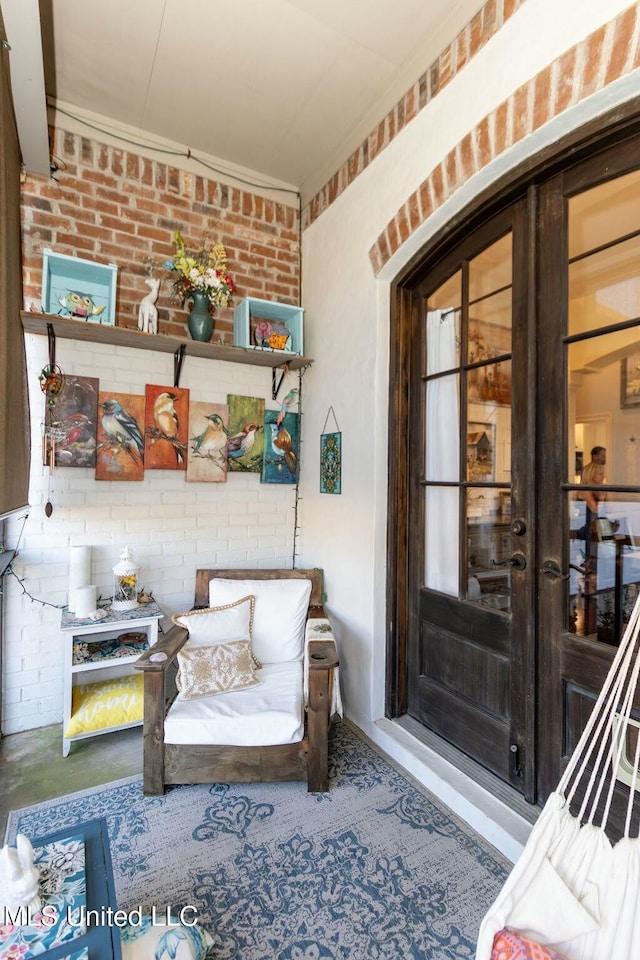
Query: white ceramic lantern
[[125, 583]]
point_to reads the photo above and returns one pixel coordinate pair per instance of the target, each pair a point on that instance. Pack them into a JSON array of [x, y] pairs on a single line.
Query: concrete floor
[[33, 769]]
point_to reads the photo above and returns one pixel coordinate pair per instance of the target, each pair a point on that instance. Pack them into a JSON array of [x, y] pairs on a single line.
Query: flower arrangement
[[201, 269]]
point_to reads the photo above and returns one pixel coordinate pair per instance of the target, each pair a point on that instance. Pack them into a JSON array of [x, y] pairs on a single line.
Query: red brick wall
[[608, 53], [111, 205]]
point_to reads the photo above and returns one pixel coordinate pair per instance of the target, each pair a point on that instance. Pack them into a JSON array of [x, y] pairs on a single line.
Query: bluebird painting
[[120, 452], [246, 441], [281, 445], [207, 448], [166, 428]]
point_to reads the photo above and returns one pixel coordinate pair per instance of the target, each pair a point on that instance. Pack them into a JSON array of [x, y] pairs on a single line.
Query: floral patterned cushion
[[509, 945]]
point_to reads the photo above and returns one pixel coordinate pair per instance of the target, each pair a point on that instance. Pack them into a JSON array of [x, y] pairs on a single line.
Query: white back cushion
[[227, 621], [279, 617]]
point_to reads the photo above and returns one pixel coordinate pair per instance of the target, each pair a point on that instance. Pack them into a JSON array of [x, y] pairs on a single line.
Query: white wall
[[172, 526], [347, 325]]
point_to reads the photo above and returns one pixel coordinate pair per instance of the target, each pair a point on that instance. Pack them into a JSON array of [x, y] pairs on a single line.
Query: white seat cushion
[[280, 614], [270, 713]]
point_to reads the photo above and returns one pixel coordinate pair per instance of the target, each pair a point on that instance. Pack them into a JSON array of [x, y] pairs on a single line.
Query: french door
[[522, 350]]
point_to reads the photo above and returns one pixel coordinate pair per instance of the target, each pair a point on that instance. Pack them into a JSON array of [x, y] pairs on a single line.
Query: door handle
[[551, 569], [517, 560]]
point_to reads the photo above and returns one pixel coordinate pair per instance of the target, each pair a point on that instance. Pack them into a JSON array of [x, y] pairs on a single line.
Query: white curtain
[[442, 454]]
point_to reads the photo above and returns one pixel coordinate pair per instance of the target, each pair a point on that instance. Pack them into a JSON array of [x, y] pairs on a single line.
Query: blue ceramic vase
[[200, 322]]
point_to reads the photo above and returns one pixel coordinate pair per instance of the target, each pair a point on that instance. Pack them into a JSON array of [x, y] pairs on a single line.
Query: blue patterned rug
[[374, 869]]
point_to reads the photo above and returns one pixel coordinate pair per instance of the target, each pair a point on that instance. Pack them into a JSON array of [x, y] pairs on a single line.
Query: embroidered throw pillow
[[206, 671]]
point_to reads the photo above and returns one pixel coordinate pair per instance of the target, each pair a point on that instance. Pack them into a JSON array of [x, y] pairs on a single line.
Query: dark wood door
[[589, 432], [470, 678], [522, 549]]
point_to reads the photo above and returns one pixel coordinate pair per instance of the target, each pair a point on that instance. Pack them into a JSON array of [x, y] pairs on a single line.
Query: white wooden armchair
[[209, 739]]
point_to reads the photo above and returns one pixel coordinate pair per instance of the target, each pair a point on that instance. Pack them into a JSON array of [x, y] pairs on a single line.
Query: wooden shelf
[[123, 337]]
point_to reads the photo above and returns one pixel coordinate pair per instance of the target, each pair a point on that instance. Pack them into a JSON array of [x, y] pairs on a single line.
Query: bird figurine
[[120, 427], [286, 403], [282, 446], [79, 305], [212, 442], [240, 445], [166, 420]]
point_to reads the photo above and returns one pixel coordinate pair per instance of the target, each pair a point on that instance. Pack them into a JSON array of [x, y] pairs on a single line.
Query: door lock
[[514, 752], [517, 560], [518, 527], [551, 569]]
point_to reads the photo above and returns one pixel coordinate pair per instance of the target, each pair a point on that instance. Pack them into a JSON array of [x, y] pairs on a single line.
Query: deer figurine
[[19, 877], [147, 311]]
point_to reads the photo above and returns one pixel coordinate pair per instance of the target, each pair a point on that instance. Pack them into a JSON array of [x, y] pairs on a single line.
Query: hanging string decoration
[[52, 383], [331, 457]]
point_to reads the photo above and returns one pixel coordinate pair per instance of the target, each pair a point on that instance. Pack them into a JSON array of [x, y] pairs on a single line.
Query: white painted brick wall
[[172, 526]]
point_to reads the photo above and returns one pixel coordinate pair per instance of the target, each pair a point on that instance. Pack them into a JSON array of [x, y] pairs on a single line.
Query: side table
[[101, 650]]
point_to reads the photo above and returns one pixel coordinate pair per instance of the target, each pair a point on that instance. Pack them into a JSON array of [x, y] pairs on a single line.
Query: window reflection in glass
[[443, 326], [442, 429], [488, 516], [491, 270], [441, 539], [604, 287], [604, 406], [604, 564], [489, 329], [488, 446], [602, 214]]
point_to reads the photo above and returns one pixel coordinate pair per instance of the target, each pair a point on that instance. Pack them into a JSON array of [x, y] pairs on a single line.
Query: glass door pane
[[603, 441], [487, 508]]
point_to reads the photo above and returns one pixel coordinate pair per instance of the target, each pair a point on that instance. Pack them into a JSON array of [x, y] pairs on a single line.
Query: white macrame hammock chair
[[572, 889]]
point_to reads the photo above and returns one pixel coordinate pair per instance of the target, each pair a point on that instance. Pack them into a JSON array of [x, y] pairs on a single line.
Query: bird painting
[[246, 441], [165, 428], [207, 453], [120, 452], [281, 453], [74, 418]]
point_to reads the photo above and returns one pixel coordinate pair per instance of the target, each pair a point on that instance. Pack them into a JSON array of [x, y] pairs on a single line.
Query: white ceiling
[[287, 88]]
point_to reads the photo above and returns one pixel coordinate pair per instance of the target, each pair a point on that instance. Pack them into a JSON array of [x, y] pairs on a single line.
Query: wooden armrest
[[171, 643], [316, 612], [322, 654]]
